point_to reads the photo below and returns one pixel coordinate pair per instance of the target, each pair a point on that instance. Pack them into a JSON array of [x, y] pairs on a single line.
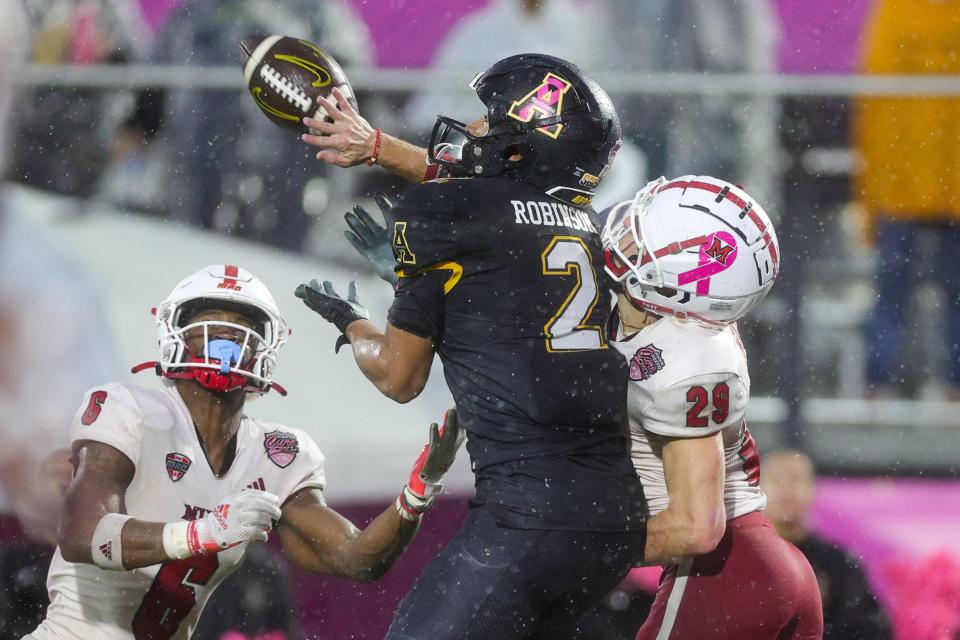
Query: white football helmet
[[248, 365], [696, 248]]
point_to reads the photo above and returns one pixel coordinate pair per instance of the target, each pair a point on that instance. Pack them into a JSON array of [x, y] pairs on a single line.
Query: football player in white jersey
[[171, 486], [692, 256]]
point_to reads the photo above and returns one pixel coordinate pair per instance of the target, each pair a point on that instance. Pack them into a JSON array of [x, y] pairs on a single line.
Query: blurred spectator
[[732, 136], [64, 130], [253, 603], [55, 339], [221, 163], [559, 28], [909, 180], [850, 610]]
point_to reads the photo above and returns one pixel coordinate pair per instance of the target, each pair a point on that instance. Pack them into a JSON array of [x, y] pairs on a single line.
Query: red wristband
[[375, 156]]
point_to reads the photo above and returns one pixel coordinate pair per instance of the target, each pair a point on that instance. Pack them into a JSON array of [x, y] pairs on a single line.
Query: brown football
[[285, 75]]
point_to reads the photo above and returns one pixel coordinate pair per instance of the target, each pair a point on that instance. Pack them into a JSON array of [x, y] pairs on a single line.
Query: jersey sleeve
[[430, 237], [110, 414], [697, 406], [314, 475]]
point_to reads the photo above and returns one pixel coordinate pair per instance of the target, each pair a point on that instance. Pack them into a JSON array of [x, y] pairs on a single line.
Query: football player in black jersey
[[499, 267]]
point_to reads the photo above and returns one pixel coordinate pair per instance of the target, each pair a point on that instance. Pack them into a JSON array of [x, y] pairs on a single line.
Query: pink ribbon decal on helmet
[[717, 253]]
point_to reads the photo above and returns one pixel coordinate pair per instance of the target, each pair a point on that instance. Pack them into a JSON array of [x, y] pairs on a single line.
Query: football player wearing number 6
[[498, 269], [691, 256], [172, 486]]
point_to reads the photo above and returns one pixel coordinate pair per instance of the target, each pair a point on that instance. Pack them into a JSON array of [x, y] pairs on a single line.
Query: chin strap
[[201, 375]]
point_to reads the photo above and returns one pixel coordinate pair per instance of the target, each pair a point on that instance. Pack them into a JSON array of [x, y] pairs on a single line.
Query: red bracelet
[[374, 157]]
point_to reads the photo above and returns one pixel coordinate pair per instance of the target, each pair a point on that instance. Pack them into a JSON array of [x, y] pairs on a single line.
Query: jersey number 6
[[700, 399], [567, 329], [171, 597]]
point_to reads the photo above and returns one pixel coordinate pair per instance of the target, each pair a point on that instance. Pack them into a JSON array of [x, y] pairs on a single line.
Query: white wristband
[[106, 546], [176, 540]]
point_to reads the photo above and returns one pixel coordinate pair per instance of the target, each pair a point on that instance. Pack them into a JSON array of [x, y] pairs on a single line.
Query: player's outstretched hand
[[340, 312], [345, 142], [426, 477], [248, 516], [371, 240]]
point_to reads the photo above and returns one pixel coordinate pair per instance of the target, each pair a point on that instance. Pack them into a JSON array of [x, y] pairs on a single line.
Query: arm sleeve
[[109, 414], [314, 474], [697, 406]]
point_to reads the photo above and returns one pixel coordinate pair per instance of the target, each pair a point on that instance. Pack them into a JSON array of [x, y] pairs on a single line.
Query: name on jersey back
[[551, 214]]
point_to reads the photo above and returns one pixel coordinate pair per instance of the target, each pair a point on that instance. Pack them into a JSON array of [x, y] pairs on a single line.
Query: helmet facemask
[[629, 260], [465, 154], [245, 359]]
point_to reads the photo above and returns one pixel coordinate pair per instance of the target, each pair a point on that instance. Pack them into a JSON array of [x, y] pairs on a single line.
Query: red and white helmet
[[696, 248], [230, 288]]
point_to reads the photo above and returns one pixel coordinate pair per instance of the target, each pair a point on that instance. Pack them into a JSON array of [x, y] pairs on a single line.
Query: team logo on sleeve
[[177, 465], [401, 248], [646, 362], [282, 447]]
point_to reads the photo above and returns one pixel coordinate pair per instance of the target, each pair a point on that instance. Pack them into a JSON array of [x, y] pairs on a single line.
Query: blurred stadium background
[[137, 157]]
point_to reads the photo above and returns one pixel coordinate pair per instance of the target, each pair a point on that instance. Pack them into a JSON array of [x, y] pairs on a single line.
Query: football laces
[[290, 92]]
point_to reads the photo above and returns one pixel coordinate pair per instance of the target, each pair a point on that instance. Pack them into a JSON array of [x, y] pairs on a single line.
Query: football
[[285, 75]]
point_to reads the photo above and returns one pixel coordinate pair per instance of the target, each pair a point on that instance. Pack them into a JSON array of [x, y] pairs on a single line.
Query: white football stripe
[[257, 56]]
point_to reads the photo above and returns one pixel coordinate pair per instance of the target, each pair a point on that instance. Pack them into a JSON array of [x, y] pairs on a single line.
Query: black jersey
[[507, 284]]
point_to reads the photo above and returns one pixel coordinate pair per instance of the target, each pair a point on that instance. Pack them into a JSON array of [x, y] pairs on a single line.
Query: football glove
[[327, 302], [247, 517], [426, 477], [371, 240]]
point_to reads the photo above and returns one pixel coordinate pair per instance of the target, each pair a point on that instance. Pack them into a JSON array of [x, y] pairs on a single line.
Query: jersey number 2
[[700, 399], [567, 329], [171, 597]]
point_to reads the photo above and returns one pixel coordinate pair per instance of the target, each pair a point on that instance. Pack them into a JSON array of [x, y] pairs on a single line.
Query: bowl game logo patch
[[282, 447], [646, 362], [177, 465]]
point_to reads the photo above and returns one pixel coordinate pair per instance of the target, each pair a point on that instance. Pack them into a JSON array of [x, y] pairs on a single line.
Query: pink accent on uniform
[[546, 100], [715, 256], [282, 447]]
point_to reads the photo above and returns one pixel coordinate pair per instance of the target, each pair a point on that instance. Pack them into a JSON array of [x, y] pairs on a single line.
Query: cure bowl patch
[[177, 465], [646, 362], [282, 447]]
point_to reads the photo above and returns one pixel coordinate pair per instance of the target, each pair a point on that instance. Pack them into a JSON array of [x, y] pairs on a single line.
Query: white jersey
[[172, 481], [688, 381]]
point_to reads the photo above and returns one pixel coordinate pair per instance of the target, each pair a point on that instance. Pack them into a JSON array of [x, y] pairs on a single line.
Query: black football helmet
[[545, 109]]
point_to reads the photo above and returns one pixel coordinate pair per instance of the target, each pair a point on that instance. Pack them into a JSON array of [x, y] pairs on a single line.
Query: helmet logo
[[717, 253], [232, 287], [545, 101]]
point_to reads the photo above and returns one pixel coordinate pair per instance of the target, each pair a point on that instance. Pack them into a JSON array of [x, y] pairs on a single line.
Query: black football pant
[[496, 583]]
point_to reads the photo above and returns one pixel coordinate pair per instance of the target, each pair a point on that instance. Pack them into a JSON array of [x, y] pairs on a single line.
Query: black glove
[[444, 443], [371, 240], [331, 307]]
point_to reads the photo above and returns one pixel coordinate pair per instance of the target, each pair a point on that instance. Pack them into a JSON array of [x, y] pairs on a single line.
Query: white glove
[[249, 516]]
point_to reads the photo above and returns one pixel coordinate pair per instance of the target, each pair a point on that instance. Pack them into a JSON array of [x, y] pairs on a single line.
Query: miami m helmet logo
[[719, 251], [546, 101]]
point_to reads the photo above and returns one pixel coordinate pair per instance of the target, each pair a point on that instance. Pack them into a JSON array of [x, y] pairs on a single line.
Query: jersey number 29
[[567, 329], [701, 398]]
